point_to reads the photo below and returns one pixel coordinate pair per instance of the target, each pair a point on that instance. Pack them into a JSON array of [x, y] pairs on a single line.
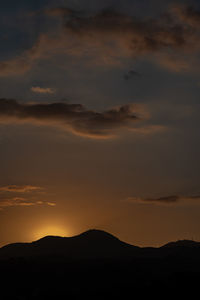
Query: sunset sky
[[100, 119]]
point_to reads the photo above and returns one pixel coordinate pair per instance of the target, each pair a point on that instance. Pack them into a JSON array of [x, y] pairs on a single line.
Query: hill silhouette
[[90, 244], [96, 265], [93, 244]]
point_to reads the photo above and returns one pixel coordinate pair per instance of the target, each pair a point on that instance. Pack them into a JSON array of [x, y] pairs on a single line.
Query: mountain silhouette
[[93, 244], [97, 265], [89, 244], [183, 243]]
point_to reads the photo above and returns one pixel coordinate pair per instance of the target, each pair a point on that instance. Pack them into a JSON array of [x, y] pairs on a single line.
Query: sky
[[99, 119]]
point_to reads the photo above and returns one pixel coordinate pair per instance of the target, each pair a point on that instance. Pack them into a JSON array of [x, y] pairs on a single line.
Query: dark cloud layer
[[187, 14], [108, 36], [140, 35], [169, 36], [72, 117]]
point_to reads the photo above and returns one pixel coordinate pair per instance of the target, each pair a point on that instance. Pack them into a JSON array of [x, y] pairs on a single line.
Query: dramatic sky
[[99, 119]]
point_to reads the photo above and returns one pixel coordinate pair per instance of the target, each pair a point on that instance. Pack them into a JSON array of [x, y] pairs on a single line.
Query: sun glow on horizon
[[51, 230]]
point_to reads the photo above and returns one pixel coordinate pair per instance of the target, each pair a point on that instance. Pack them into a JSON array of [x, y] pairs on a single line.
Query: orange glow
[[51, 230]]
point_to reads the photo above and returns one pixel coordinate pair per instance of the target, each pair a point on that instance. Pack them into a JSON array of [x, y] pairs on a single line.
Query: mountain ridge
[[89, 244], [92, 244], [97, 265]]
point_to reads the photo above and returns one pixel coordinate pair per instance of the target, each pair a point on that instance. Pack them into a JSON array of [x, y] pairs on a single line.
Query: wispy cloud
[[40, 90], [20, 188], [51, 203], [21, 201], [22, 195], [166, 200], [187, 14]]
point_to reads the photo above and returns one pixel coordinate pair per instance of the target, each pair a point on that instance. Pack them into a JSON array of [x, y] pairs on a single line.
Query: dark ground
[[92, 272]]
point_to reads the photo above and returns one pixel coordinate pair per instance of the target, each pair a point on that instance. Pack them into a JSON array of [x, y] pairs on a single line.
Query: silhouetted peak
[[182, 243], [89, 244], [93, 244], [48, 238], [92, 235], [97, 234]]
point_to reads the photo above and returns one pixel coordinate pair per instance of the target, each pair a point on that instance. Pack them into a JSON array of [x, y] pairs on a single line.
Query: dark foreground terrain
[[96, 265]]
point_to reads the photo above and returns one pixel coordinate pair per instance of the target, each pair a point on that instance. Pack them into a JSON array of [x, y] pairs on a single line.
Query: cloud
[[118, 35], [40, 90], [20, 201], [20, 188], [187, 14], [22, 63], [131, 74], [16, 201], [19, 65], [107, 37], [166, 200], [72, 117], [175, 62], [51, 203], [135, 34], [30, 199]]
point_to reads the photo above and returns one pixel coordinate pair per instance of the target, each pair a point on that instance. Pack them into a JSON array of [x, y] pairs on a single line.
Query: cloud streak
[[166, 200], [6, 201], [187, 15], [20, 188], [40, 90], [21, 201], [72, 117]]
